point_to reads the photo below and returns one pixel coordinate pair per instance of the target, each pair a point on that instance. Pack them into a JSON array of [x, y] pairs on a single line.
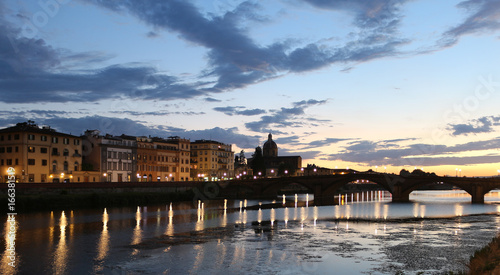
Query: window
[[43, 150], [65, 166], [31, 177], [16, 136], [44, 162], [9, 162], [109, 154], [2, 150], [76, 142], [76, 166], [31, 149], [16, 149], [43, 138], [31, 161], [31, 137], [1, 161], [54, 166], [9, 149], [66, 153], [55, 140], [55, 152], [65, 140]]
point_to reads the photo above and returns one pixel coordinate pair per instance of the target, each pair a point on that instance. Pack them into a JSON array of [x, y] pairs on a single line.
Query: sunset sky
[[348, 83]]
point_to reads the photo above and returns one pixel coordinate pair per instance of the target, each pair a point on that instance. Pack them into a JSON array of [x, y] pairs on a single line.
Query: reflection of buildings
[[279, 165], [39, 154], [211, 160]]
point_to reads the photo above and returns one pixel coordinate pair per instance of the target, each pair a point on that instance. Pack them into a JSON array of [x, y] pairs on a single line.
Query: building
[[113, 157], [278, 165], [40, 154], [161, 159], [211, 160]]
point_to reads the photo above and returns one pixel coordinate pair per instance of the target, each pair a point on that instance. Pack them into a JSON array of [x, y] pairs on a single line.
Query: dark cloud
[[476, 126], [237, 110], [285, 118], [376, 153], [31, 70], [210, 99], [157, 113], [118, 126], [326, 142], [237, 61], [484, 18], [368, 14]]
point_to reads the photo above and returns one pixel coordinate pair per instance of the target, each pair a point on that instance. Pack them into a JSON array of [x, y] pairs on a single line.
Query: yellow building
[[39, 154], [211, 160]]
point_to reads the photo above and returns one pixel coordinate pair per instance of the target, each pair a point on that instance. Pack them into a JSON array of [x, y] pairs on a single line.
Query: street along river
[[365, 233]]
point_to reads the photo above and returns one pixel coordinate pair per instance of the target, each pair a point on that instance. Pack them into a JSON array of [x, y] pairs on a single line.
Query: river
[[365, 233]]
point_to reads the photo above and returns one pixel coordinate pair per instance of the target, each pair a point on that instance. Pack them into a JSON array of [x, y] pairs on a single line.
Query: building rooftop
[[31, 127]]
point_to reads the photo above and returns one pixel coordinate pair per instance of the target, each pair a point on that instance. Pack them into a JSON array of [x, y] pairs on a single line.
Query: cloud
[[118, 126], [285, 118], [326, 142], [419, 154], [236, 60], [157, 113], [484, 18], [481, 125], [236, 110]]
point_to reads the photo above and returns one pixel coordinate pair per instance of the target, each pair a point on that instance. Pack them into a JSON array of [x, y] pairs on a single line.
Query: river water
[[364, 234]]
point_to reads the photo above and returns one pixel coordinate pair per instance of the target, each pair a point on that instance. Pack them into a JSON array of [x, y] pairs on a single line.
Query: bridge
[[325, 187]]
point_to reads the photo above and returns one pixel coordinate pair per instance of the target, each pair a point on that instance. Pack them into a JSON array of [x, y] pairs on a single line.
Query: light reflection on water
[[93, 230]]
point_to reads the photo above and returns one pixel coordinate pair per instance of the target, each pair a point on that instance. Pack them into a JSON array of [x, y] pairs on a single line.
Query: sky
[[381, 84]]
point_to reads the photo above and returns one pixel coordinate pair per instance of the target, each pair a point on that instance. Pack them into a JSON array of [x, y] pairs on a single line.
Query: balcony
[[56, 154]]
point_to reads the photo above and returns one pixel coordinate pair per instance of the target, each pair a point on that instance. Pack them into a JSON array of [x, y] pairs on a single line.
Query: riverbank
[[65, 200], [486, 261]]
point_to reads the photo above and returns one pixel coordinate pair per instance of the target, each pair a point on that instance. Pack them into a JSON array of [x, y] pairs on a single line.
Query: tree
[[240, 160], [258, 164]]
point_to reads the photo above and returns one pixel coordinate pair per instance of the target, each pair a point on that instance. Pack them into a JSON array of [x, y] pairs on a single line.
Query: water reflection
[[81, 231], [137, 234], [61, 253], [10, 260], [170, 225], [103, 243]]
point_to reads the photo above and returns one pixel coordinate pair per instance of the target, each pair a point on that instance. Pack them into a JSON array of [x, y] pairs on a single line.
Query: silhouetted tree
[[258, 164], [240, 160]]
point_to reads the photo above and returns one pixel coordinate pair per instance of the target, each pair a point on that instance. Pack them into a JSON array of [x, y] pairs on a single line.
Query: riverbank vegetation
[[486, 261], [64, 200]]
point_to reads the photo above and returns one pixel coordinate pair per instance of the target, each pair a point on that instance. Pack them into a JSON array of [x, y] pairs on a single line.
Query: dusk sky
[[348, 83]]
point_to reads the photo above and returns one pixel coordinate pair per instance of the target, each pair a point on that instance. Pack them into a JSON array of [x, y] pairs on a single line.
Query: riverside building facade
[[39, 154], [161, 159], [211, 160], [113, 157]]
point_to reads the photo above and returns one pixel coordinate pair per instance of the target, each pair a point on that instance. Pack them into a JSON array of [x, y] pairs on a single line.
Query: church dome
[[270, 149]]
